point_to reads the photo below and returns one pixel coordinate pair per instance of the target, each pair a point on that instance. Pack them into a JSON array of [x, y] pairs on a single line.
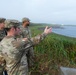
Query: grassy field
[[54, 51]]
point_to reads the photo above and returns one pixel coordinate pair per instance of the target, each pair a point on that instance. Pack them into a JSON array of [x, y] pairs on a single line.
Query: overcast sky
[[40, 11]]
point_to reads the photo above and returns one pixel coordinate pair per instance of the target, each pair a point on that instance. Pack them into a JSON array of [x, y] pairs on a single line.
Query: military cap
[[25, 19], [11, 23], [2, 20]]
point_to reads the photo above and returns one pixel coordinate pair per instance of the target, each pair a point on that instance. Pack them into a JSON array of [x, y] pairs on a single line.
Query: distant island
[[45, 24]]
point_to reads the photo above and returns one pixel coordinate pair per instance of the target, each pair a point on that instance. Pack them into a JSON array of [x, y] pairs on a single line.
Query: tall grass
[[54, 51]]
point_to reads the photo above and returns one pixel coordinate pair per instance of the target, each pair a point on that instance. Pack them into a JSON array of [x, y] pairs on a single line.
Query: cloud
[[40, 10]]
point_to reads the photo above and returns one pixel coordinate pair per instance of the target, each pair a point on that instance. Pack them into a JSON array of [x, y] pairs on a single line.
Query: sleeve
[[37, 39], [2, 60], [0, 48]]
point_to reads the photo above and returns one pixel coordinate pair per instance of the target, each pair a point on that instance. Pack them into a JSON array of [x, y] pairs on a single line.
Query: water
[[66, 30]]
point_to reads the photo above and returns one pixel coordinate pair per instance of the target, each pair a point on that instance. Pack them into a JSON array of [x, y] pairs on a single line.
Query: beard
[[27, 24]]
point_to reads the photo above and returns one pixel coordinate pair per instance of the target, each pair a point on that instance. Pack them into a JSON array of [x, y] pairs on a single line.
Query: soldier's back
[[13, 57]]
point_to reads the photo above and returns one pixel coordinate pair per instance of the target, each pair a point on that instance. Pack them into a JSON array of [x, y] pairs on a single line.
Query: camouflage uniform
[[13, 52], [25, 32], [2, 32], [2, 35]]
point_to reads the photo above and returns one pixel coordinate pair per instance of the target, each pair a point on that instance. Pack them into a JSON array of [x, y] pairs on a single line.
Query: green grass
[[54, 51]]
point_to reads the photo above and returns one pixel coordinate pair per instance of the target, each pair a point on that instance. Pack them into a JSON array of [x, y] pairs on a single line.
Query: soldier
[[26, 32], [13, 49], [2, 35], [2, 31]]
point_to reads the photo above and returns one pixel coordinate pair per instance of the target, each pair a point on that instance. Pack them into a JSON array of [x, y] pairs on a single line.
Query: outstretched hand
[[47, 30]]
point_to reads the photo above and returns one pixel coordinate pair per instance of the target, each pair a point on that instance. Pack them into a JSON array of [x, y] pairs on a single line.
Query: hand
[[25, 39], [47, 30]]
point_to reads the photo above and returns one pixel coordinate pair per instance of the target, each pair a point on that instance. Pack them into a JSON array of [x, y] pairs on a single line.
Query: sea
[[66, 30]]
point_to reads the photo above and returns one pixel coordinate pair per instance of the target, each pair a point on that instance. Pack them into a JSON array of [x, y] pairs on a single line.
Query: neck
[[9, 34], [24, 26]]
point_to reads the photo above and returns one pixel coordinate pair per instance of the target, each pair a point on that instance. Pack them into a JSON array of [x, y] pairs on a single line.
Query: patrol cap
[[11, 23], [2, 20], [25, 19]]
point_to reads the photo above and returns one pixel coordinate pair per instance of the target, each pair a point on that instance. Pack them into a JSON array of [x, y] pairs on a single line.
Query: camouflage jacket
[[2, 34], [2, 61], [12, 51], [26, 32]]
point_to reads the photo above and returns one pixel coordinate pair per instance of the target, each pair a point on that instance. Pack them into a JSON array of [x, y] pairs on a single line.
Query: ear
[[13, 29]]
